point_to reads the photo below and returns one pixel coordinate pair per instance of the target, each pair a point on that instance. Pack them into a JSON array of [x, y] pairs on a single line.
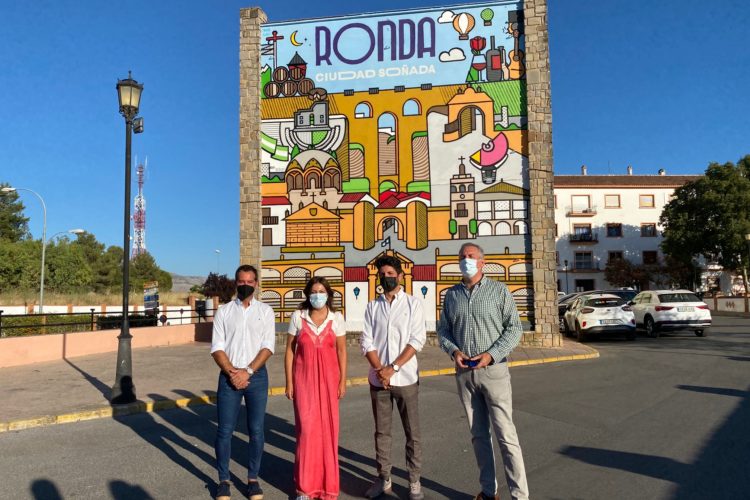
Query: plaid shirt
[[484, 319]]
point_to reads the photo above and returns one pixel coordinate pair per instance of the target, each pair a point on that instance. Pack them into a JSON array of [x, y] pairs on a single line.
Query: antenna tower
[[139, 217]]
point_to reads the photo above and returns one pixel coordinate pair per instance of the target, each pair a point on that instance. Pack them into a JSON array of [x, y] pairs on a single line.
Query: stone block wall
[[546, 332]]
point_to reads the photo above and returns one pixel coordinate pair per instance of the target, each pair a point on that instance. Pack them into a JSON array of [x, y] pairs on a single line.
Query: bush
[[22, 326], [135, 321]]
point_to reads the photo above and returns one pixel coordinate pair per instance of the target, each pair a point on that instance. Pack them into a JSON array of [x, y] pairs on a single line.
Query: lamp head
[[129, 93], [76, 231], [8, 189]]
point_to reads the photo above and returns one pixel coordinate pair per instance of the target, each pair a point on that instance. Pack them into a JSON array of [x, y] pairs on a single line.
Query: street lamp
[[44, 240], [77, 232], [566, 276], [218, 254], [129, 94]]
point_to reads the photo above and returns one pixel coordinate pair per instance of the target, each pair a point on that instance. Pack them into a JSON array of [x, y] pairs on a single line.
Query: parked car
[[565, 301], [597, 314], [661, 310]]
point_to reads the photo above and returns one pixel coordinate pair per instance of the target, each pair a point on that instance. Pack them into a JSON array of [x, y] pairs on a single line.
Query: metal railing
[[25, 325], [583, 238]]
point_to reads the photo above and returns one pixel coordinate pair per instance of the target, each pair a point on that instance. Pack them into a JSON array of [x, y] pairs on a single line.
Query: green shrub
[[135, 321], [22, 326]]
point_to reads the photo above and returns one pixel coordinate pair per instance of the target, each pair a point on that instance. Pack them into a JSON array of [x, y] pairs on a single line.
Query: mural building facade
[[400, 133]]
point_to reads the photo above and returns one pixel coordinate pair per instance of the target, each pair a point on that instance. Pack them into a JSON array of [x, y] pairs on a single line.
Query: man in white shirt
[[394, 332], [243, 339]]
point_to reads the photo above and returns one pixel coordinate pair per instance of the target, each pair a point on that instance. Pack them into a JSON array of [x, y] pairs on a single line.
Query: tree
[[143, 268], [218, 286], [711, 216], [13, 225]]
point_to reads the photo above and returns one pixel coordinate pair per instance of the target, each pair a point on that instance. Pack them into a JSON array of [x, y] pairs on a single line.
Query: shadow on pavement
[[100, 386], [718, 472], [124, 491], [44, 489]]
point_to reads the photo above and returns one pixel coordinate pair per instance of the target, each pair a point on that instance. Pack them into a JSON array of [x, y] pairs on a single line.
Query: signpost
[[151, 298]]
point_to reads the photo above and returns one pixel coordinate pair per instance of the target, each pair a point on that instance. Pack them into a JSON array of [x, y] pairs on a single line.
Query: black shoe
[[223, 491], [253, 491]]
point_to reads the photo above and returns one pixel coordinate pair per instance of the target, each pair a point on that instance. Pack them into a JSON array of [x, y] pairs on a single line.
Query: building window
[[648, 230], [584, 260], [646, 201], [580, 204], [611, 201], [613, 256], [484, 210], [650, 257], [555, 230], [519, 209], [614, 230], [502, 209], [582, 229]]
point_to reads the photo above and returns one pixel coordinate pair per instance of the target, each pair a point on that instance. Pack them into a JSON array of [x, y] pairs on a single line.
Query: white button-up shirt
[[242, 332], [298, 316], [391, 326]]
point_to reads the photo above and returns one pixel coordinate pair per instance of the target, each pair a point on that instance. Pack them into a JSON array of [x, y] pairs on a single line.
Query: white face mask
[[468, 267], [318, 300]]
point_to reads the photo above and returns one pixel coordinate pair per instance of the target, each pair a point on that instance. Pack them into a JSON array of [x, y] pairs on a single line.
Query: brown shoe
[[482, 496]]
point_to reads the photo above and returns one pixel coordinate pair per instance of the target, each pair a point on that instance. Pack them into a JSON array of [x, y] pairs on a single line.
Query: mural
[[401, 133]]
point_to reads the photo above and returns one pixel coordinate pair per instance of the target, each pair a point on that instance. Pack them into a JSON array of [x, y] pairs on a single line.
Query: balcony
[[269, 220], [584, 238], [580, 211], [460, 213]]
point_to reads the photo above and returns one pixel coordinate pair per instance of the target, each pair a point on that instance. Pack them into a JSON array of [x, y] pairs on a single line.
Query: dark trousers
[[228, 403], [406, 399]]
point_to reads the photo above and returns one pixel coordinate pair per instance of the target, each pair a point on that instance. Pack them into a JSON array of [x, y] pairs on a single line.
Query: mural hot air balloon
[[463, 23], [491, 157]]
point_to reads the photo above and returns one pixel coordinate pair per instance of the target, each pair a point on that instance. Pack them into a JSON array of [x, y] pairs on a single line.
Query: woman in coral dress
[[315, 365]]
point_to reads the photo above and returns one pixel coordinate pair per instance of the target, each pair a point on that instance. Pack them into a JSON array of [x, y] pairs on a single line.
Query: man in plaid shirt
[[479, 327]]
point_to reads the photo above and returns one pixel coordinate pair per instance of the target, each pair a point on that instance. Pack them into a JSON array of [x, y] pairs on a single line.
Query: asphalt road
[[665, 418]]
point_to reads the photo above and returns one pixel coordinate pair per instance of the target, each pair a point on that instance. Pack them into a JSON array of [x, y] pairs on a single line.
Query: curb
[[170, 404]]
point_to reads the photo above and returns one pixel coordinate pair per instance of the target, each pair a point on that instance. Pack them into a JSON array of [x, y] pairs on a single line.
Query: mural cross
[[275, 37], [313, 197]]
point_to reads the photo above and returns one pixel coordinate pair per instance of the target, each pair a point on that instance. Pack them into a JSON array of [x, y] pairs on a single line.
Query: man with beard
[[243, 340], [393, 333]]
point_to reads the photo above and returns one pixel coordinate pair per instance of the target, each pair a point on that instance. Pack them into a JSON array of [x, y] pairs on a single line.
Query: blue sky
[[642, 83]]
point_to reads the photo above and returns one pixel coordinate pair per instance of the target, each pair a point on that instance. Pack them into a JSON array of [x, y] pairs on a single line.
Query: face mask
[[318, 300], [389, 283], [244, 291], [468, 267]]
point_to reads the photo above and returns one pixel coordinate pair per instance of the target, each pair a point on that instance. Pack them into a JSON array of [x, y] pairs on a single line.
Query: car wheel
[[580, 336], [701, 333], [651, 329]]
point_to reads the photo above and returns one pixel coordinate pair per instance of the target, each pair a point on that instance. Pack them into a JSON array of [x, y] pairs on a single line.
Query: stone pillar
[[250, 174], [546, 332]]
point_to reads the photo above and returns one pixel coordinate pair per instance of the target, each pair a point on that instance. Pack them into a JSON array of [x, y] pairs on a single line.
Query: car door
[[638, 308], [570, 315]]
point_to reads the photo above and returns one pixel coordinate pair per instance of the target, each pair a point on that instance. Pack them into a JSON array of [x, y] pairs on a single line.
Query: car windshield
[[605, 302], [567, 298], [625, 294], [678, 297]]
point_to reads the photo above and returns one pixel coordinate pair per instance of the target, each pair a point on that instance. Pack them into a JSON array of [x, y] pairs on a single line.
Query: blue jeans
[[228, 402]]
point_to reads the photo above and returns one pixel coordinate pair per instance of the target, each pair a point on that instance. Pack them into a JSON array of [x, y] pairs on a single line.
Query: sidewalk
[[77, 389]]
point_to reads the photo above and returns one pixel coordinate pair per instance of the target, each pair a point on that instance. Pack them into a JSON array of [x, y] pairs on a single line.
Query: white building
[[604, 217]]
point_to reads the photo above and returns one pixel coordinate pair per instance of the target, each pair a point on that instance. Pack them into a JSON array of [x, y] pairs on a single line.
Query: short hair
[[469, 244], [306, 304], [389, 260], [245, 268]]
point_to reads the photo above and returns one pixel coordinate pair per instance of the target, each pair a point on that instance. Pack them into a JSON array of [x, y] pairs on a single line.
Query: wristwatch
[[250, 370], [396, 367]]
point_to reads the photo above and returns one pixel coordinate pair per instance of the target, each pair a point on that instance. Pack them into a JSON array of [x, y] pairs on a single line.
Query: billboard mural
[[400, 132]]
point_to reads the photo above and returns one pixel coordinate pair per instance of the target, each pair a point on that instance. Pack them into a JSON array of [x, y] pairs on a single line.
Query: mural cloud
[[455, 54], [446, 17]]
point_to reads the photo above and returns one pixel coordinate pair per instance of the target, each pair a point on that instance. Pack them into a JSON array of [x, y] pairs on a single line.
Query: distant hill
[[183, 283]]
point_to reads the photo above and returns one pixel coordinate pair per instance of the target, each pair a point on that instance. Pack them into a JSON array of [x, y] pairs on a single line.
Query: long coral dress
[[316, 412]]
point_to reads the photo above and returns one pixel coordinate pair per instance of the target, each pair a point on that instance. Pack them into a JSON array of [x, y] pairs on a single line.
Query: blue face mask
[[468, 267], [318, 300]]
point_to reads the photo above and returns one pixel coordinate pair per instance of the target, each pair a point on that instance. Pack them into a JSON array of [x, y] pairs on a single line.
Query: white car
[[661, 310], [599, 313]]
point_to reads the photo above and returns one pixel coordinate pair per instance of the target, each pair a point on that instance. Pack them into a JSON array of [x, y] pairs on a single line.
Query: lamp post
[[123, 392], [566, 276], [69, 231], [747, 238], [44, 240]]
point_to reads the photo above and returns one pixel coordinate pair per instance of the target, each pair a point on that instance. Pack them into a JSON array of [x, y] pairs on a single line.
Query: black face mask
[[388, 283], [244, 291]]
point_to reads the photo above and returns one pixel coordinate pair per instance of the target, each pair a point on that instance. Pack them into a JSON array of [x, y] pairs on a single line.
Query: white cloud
[[455, 54], [446, 17]]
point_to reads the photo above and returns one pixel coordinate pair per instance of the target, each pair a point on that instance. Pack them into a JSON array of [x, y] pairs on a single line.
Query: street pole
[[567, 290], [123, 391]]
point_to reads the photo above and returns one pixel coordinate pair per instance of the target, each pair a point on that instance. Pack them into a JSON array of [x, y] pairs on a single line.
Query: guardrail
[[23, 325]]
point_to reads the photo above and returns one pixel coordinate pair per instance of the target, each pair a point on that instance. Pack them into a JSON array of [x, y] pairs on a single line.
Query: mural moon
[[293, 39]]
